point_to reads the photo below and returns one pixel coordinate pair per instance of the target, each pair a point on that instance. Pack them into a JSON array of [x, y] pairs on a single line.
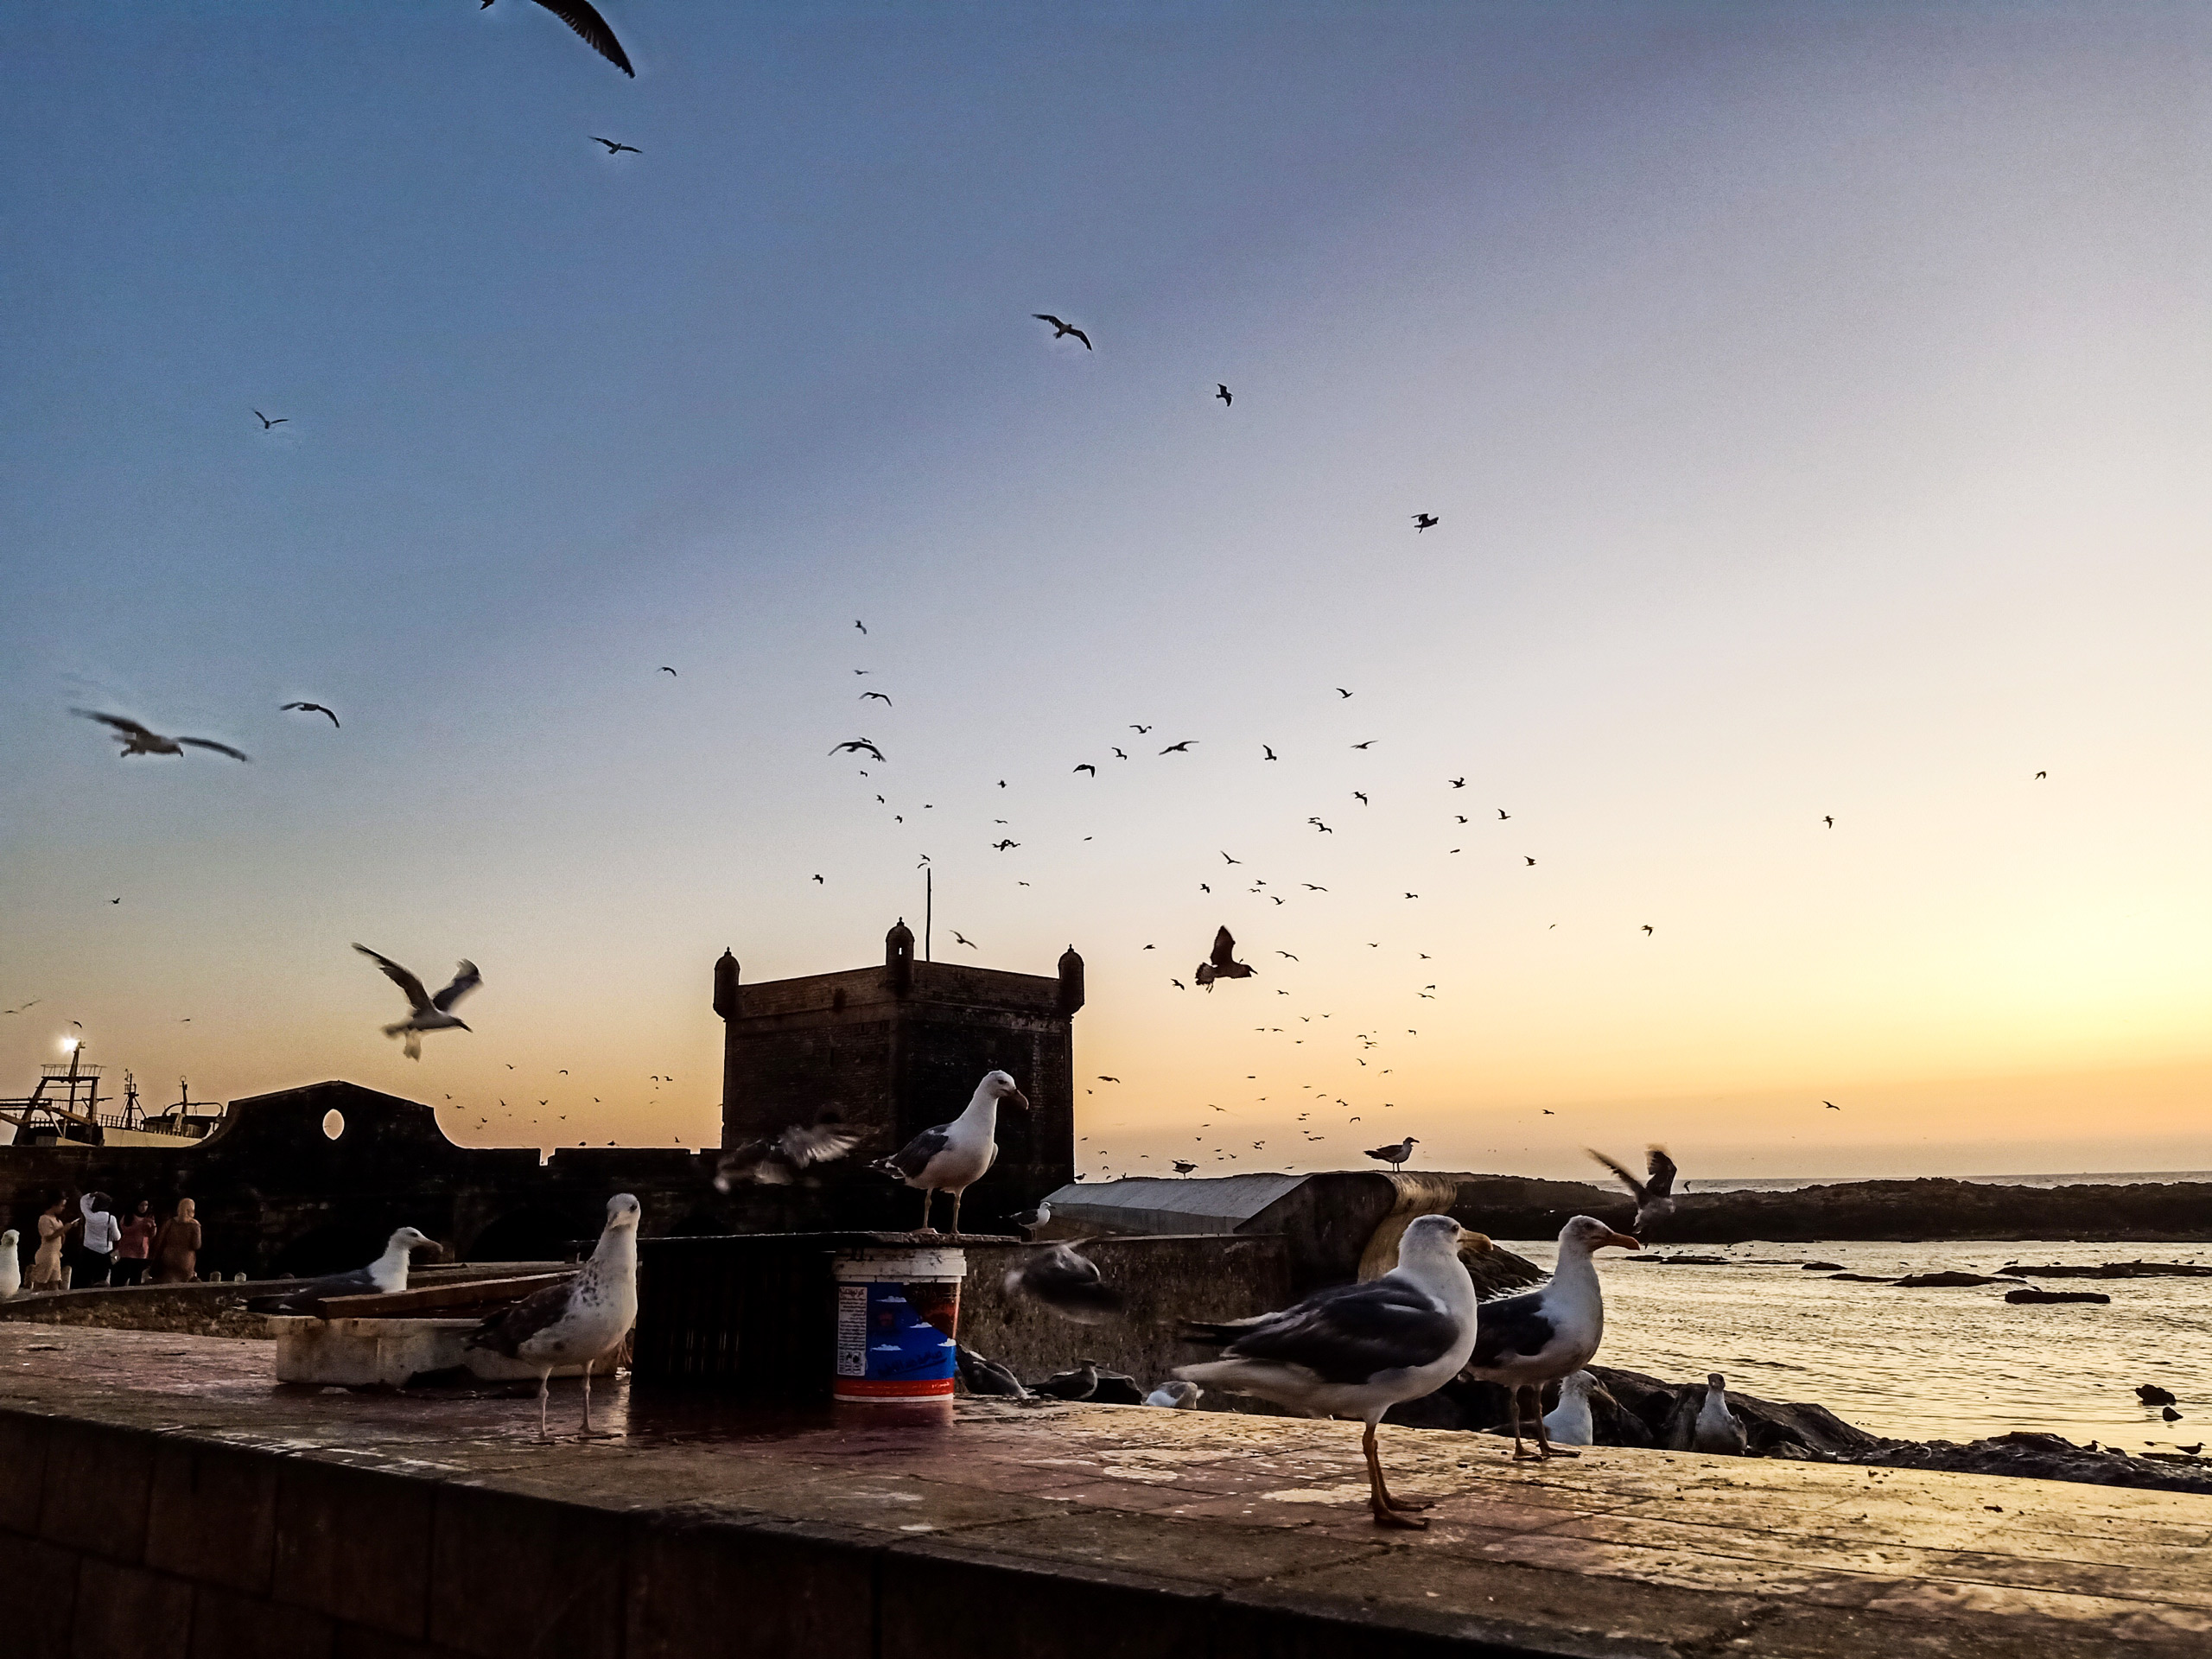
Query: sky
[[1812, 399]]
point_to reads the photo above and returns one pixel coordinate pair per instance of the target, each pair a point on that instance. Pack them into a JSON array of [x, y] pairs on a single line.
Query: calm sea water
[[1795, 1183], [1923, 1365]]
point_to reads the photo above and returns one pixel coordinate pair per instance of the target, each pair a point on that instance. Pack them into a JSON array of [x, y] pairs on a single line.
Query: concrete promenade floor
[[238, 1517]]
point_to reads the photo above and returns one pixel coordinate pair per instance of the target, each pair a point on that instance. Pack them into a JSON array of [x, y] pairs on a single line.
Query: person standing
[[134, 1245], [53, 1233], [96, 1247], [176, 1246]]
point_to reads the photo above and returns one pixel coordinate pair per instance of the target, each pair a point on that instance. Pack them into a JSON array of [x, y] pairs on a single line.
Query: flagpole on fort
[[929, 905]]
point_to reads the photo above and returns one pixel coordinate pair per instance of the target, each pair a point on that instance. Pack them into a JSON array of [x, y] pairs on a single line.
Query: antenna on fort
[[929, 910]]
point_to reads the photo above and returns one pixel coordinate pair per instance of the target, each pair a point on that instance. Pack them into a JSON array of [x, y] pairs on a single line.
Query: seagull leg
[[956, 1214], [544, 1387], [1387, 1513], [1519, 1451], [928, 1194]]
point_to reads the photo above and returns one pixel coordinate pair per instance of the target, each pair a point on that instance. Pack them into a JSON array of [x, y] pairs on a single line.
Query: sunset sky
[[1813, 399]]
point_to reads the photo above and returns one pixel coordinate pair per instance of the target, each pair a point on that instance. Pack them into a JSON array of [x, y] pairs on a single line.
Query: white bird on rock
[[428, 1013], [578, 1322], [11, 1264], [1569, 1423], [385, 1276], [1717, 1430], [1549, 1332], [1356, 1350], [953, 1157]]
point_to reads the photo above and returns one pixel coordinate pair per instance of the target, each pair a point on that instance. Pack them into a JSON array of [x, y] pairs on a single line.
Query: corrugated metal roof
[[1145, 1204]]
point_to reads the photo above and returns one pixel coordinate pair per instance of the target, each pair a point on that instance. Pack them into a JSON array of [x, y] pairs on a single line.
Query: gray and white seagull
[[427, 1013], [577, 1323], [386, 1275], [952, 1157]]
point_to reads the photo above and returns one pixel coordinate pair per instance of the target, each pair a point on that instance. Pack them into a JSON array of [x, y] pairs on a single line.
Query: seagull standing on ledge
[[1549, 1332], [952, 1157], [430, 1013], [1356, 1350], [385, 1276], [1396, 1156], [1654, 1198], [577, 1323]]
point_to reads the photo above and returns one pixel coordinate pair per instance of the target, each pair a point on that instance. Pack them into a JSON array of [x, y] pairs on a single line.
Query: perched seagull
[[1062, 330], [386, 1275], [1182, 1167], [136, 739], [317, 708], [856, 745], [1655, 1197], [1717, 1430], [952, 1157], [1358, 1350], [1033, 1222], [1177, 1395], [1568, 1422], [1067, 1283], [1079, 1384], [1424, 521], [1223, 964], [1530, 1339], [613, 149], [283, 419], [987, 1376], [1396, 1156], [578, 1322], [1222, 393], [429, 1012], [11, 1263], [591, 28], [773, 1160]]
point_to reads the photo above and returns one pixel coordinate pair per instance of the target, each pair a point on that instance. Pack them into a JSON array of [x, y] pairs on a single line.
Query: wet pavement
[[1619, 1551]]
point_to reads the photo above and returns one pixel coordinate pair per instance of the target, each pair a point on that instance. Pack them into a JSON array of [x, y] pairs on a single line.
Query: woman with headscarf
[[53, 1233], [176, 1247], [133, 1246]]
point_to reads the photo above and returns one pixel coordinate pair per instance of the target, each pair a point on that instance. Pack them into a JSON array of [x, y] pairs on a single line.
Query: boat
[[64, 1109]]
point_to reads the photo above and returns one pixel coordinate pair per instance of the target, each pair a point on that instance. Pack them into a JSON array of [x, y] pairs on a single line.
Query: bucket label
[[895, 1340]]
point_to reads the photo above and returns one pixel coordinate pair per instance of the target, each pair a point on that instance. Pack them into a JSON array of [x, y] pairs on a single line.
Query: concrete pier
[[159, 1494]]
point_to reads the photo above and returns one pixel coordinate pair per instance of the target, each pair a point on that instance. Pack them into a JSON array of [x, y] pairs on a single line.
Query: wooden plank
[[412, 1303]]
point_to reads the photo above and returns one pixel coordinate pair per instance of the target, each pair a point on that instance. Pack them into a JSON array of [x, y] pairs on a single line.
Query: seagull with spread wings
[[281, 420], [613, 149], [778, 1159], [1655, 1196], [426, 1013], [591, 28], [856, 745], [311, 708], [137, 740], [1062, 330], [1222, 964]]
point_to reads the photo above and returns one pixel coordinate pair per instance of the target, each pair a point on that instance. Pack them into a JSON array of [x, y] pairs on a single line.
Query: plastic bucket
[[898, 1315]]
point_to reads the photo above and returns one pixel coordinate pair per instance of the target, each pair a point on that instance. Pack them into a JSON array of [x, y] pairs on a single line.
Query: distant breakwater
[[1935, 1208]]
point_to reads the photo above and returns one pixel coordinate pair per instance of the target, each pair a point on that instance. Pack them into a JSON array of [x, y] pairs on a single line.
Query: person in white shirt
[[96, 1251]]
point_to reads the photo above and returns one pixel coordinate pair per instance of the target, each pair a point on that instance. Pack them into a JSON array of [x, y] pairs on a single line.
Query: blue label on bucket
[[883, 1338]]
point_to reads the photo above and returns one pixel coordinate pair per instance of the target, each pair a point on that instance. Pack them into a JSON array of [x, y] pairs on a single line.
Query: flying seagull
[[1061, 330], [671, 672], [1342, 692], [1223, 964], [878, 696], [1358, 1350], [386, 1275], [1184, 747], [958, 937], [266, 422], [1267, 753], [856, 745], [1087, 767], [1424, 521], [317, 708], [613, 149], [772, 1161], [578, 1322], [1222, 393], [136, 739], [428, 1013], [590, 27], [1655, 1196], [1067, 1283]]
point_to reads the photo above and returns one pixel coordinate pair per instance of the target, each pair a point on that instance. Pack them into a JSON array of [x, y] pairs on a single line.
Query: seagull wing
[[914, 1157], [464, 980], [1046, 316], [1347, 1334], [1080, 335], [410, 987], [1224, 950], [592, 29], [1662, 1183], [508, 1331], [1511, 1325], [210, 743], [804, 1146], [1628, 1180], [129, 728]]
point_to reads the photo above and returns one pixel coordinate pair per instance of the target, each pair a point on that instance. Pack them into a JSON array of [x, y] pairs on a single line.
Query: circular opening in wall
[[333, 1124]]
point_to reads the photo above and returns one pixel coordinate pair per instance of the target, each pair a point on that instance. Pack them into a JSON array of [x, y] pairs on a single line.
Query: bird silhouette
[[1830, 1105], [1120, 753], [1087, 767], [1002, 845], [1360, 796], [137, 740], [1184, 747], [613, 149], [671, 672], [1223, 963], [1226, 859], [878, 695], [2043, 774], [1424, 521], [1530, 860], [1268, 754], [857, 744], [1139, 730], [311, 708], [590, 27], [1647, 928], [283, 419], [1342, 692], [1222, 393], [1310, 887], [819, 882], [1061, 330], [958, 937]]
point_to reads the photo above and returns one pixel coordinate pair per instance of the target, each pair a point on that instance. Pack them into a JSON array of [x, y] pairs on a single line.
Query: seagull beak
[[1476, 1244], [1621, 1239], [1019, 1099]]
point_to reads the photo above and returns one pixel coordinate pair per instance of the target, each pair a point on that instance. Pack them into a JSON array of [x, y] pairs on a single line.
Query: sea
[[1958, 1365], [1797, 1183]]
